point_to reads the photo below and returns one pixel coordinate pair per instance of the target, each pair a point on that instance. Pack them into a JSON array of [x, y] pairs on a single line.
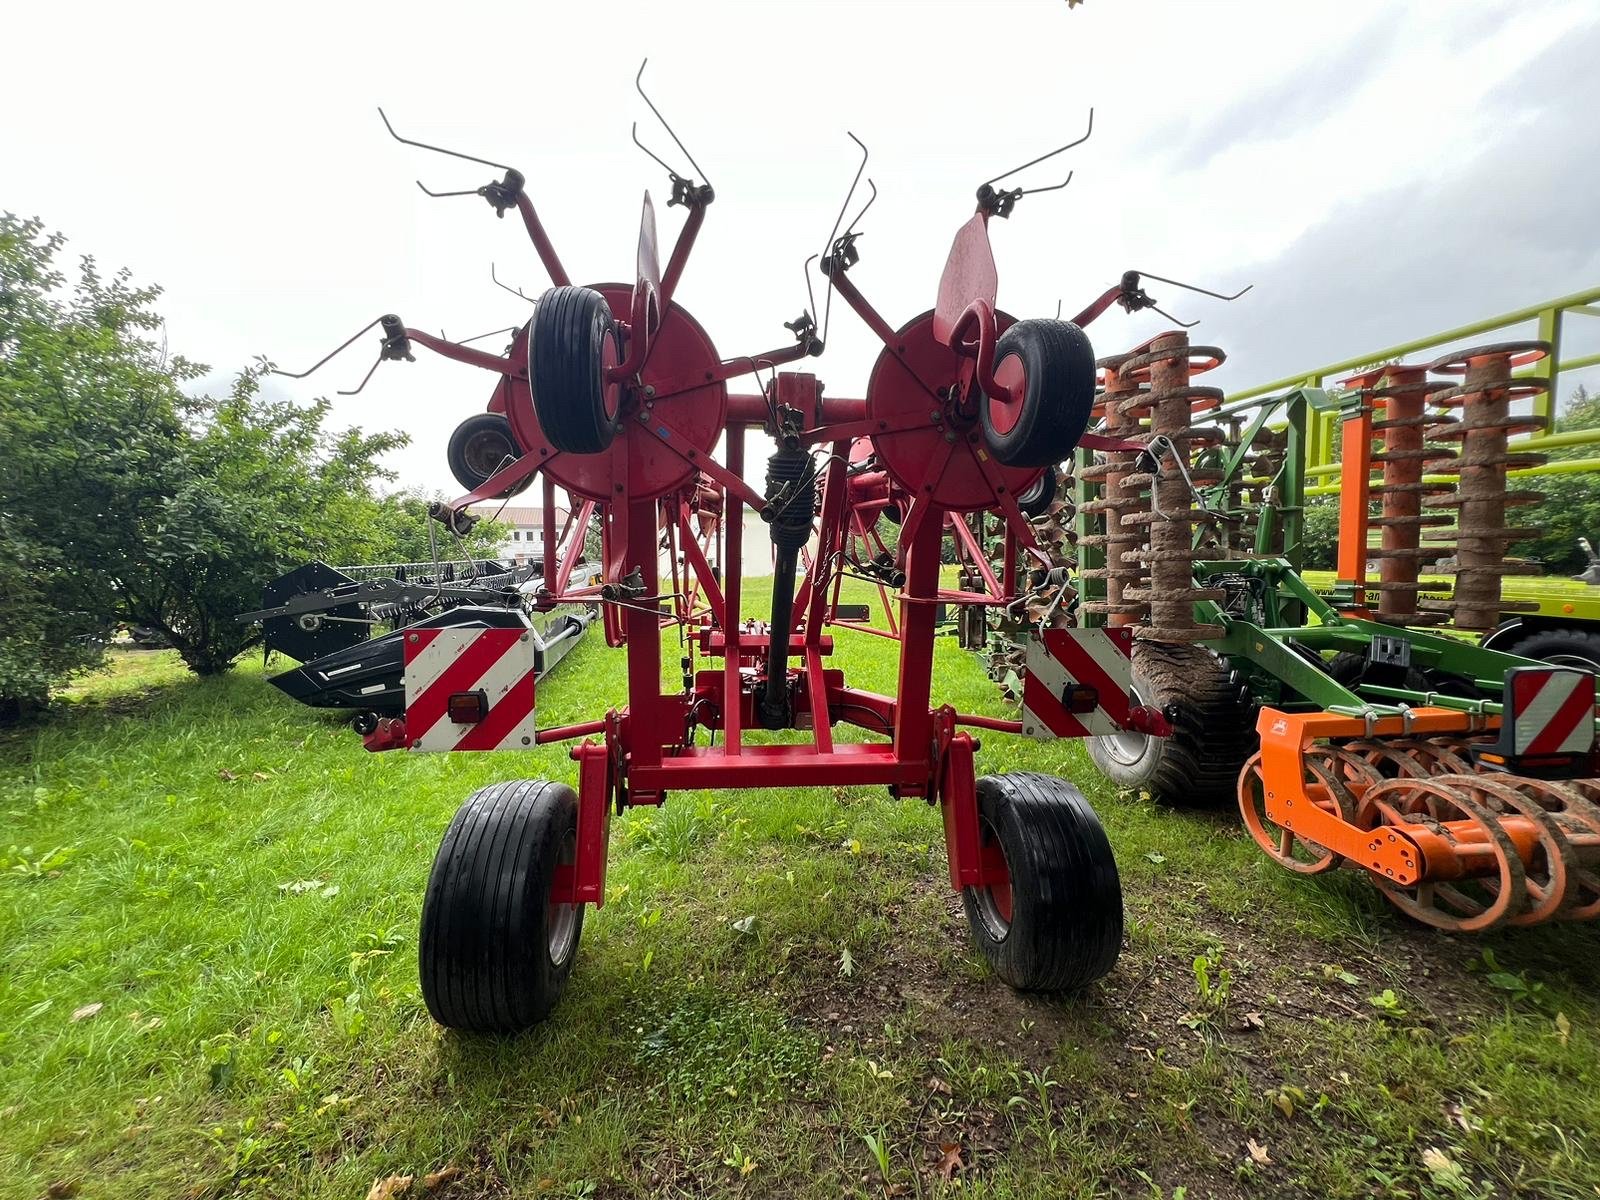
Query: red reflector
[[1080, 698], [468, 708]]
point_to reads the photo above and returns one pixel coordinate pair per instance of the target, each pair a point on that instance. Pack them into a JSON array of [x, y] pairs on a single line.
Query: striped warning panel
[[1552, 710], [1061, 664], [441, 663]]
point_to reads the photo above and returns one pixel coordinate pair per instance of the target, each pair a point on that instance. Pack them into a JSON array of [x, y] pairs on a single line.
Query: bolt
[[527, 741], [412, 638], [650, 391]]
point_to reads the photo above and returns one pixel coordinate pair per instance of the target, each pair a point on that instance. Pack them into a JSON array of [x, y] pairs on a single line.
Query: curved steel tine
[[515, 291], [811, 296], [850, 195], [481, 336], [850, 228], [364, 379], [1173, 319], [1189, 287], [441, 195], [1034, 161], [333, 354], [1055, 187], [639, 87], [834, 232], [438, 149], [634, 133]]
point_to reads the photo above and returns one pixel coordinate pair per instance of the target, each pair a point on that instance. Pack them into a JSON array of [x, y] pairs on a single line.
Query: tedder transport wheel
[[573, 341], [1056, 923], [1049, 367], [1035, 500], [495, 951], [1561, 646], [1213, 729], [479, 447]]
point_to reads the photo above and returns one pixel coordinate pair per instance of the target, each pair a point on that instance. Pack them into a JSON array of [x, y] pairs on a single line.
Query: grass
[[777, 999]]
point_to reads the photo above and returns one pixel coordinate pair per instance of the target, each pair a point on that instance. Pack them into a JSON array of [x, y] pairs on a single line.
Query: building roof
[[512, 514]]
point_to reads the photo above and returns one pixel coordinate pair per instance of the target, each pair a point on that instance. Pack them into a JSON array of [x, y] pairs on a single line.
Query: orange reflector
[[468, 708], [1080, 698]]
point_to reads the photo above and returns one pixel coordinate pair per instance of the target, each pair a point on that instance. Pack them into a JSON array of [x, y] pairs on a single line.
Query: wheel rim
[[1128, 747], [562, 923], [486, 452], [1572, 660], [610, 394], [1010, 375], [993, 899]]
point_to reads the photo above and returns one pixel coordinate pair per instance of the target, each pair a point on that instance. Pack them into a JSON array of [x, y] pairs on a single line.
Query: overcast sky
[[1379, 171]]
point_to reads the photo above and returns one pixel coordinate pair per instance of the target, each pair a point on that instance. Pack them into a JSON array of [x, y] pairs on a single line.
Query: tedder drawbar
[[615, 393]]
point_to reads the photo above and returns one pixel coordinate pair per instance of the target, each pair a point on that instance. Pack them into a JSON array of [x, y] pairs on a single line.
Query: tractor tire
[[573, 341], [1213, 729], [495, 953], [1051, 365], [1035, 500], [479, 447], [1562, 646], [1056, 925]]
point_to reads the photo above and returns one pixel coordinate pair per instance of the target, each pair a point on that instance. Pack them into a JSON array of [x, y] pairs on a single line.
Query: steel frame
[[659, 477]]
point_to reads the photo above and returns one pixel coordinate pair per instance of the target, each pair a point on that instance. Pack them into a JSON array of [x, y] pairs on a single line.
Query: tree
[[126, 500], [1570, 508]]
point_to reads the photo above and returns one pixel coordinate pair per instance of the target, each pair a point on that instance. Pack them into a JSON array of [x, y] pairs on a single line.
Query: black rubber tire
[[1065, 930], [1035, 500], [572, 330], [1563, 645], [485, 950], [478, 447], [1213, 729], [1058, 363]]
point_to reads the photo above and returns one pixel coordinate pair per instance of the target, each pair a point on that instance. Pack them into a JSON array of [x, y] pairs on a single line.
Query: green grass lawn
[[209, 905]]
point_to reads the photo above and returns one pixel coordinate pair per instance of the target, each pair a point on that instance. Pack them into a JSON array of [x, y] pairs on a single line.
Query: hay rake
[[615, 393]]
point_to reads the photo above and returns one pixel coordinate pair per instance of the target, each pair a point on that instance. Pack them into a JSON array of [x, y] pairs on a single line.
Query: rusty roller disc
[[1473, 832], [1395, 759], [1549, 869], [1578, 816], [1284, 846], [1350, 768]]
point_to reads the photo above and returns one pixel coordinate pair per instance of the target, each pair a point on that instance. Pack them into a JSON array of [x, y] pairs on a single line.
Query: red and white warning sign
[[1077, 682], [469, 689], [1552, 710]]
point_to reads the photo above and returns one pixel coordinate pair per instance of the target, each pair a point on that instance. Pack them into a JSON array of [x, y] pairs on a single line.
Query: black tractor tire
[[1213, 721], [1059, 372], [1561, 646], [495, 953], [1059, 928], [480, 446], [574, 337], [1035, 499]]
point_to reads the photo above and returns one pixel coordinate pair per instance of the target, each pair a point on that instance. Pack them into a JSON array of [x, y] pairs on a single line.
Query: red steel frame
[[658, 478]]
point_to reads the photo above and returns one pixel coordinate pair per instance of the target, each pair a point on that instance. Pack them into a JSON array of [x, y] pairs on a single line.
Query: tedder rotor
[[616, 394]]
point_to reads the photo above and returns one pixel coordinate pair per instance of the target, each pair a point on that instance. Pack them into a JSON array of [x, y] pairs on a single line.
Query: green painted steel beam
[[1372, 358]]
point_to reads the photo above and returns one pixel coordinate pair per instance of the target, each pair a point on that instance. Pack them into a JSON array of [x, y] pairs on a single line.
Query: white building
[[522, 539]]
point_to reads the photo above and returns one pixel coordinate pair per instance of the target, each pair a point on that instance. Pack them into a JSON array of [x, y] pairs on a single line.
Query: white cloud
[[234, 154]]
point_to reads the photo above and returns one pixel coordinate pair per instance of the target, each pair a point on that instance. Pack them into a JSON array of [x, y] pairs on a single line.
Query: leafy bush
[[127, 501]]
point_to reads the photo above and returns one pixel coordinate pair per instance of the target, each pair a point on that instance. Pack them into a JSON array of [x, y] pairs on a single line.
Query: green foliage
[[1571, 505], [219, 1064], [1320, 538], [128, 501]]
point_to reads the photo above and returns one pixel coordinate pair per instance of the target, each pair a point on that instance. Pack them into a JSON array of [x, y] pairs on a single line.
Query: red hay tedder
[[616, 394]]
